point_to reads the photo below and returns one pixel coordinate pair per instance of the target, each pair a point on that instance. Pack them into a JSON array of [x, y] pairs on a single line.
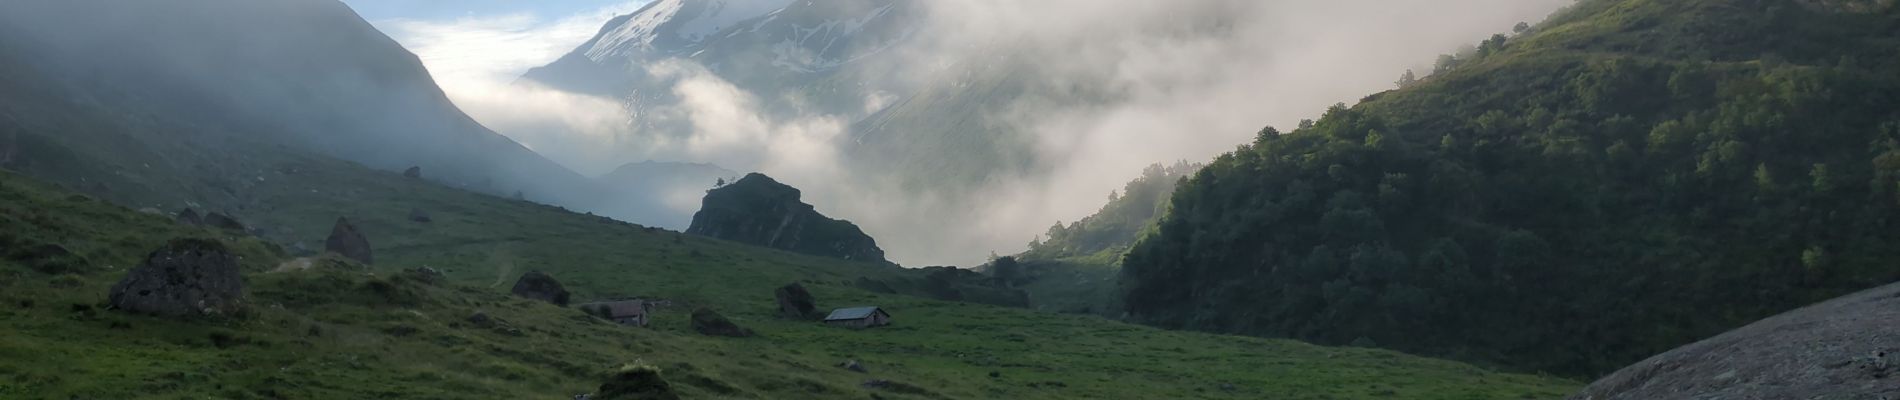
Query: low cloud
[[477, 60], [1191, 79], [1184, 80]]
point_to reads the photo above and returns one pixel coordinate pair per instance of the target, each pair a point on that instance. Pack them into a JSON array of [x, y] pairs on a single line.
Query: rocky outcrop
[[710, 323], [1839, 349], [412, 173], [795, 302], [760, 211], [349, 242], [539, 286], [187, 277]]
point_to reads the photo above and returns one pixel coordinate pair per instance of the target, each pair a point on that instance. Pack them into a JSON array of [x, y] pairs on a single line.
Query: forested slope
[[1629, 176]]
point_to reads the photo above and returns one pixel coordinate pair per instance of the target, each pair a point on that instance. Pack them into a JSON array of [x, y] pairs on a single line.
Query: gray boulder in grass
[[539, 286], [187, 277], [346, 240]]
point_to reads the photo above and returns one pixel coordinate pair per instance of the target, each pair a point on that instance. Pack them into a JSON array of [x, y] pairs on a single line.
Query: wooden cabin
[[858, 317]]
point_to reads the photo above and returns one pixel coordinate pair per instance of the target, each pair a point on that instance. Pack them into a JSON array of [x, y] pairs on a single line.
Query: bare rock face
[[349, 242], [540, 286], [412, 173], [795, 302], [1840, 349], [761, 211], [187, 277]]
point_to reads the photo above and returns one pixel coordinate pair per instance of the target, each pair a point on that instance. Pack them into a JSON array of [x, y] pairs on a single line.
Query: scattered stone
[[225, 222], [1880, 364], [640, 382], [426, 275], [412, 173], [710, 323], [417, 215], [795, 302], [347, 241], [853, 366], [186, 277], [190, 217], [1838, 349], [151, 211], [481, 319], [539, 286]]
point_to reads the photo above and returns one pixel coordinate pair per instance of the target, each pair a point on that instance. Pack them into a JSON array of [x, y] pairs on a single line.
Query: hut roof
[[845, 314], [620, 309]]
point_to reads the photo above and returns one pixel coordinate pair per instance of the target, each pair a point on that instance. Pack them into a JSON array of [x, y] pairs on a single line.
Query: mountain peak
[[667, 26]]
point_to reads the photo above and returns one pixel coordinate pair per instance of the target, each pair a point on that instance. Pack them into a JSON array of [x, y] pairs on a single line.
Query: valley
[[1631, 199]]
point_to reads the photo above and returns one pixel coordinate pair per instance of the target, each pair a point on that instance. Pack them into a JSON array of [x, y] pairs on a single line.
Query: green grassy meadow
[[346, 331]]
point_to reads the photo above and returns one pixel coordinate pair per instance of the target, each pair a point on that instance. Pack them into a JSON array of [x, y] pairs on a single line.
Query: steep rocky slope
[[1846, 348]]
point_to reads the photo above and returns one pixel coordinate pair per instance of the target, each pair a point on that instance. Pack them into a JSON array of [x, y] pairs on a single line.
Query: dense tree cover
[[1629, 176], [1116, 226]]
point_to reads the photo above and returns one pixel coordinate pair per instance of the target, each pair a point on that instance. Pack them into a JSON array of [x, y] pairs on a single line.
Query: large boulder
[[635, 383], [710, 323], [412, 173], [187, 277], [346, 240], [1839, 349], [539, 286], [760, 211], [796, 302]]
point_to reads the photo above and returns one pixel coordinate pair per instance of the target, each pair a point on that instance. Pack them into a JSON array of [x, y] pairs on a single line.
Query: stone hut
[[626, 312], [858, 317]]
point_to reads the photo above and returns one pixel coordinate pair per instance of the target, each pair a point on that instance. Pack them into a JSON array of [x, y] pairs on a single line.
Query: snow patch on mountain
[[806, 49], [720, 15], [668, 26]]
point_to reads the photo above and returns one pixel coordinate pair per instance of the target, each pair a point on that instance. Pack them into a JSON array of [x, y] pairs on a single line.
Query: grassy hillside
[[1627, 177], [341, 330], [1074, 268]]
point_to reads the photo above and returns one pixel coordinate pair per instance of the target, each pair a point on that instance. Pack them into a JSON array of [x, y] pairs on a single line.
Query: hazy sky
[[474, 45]]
